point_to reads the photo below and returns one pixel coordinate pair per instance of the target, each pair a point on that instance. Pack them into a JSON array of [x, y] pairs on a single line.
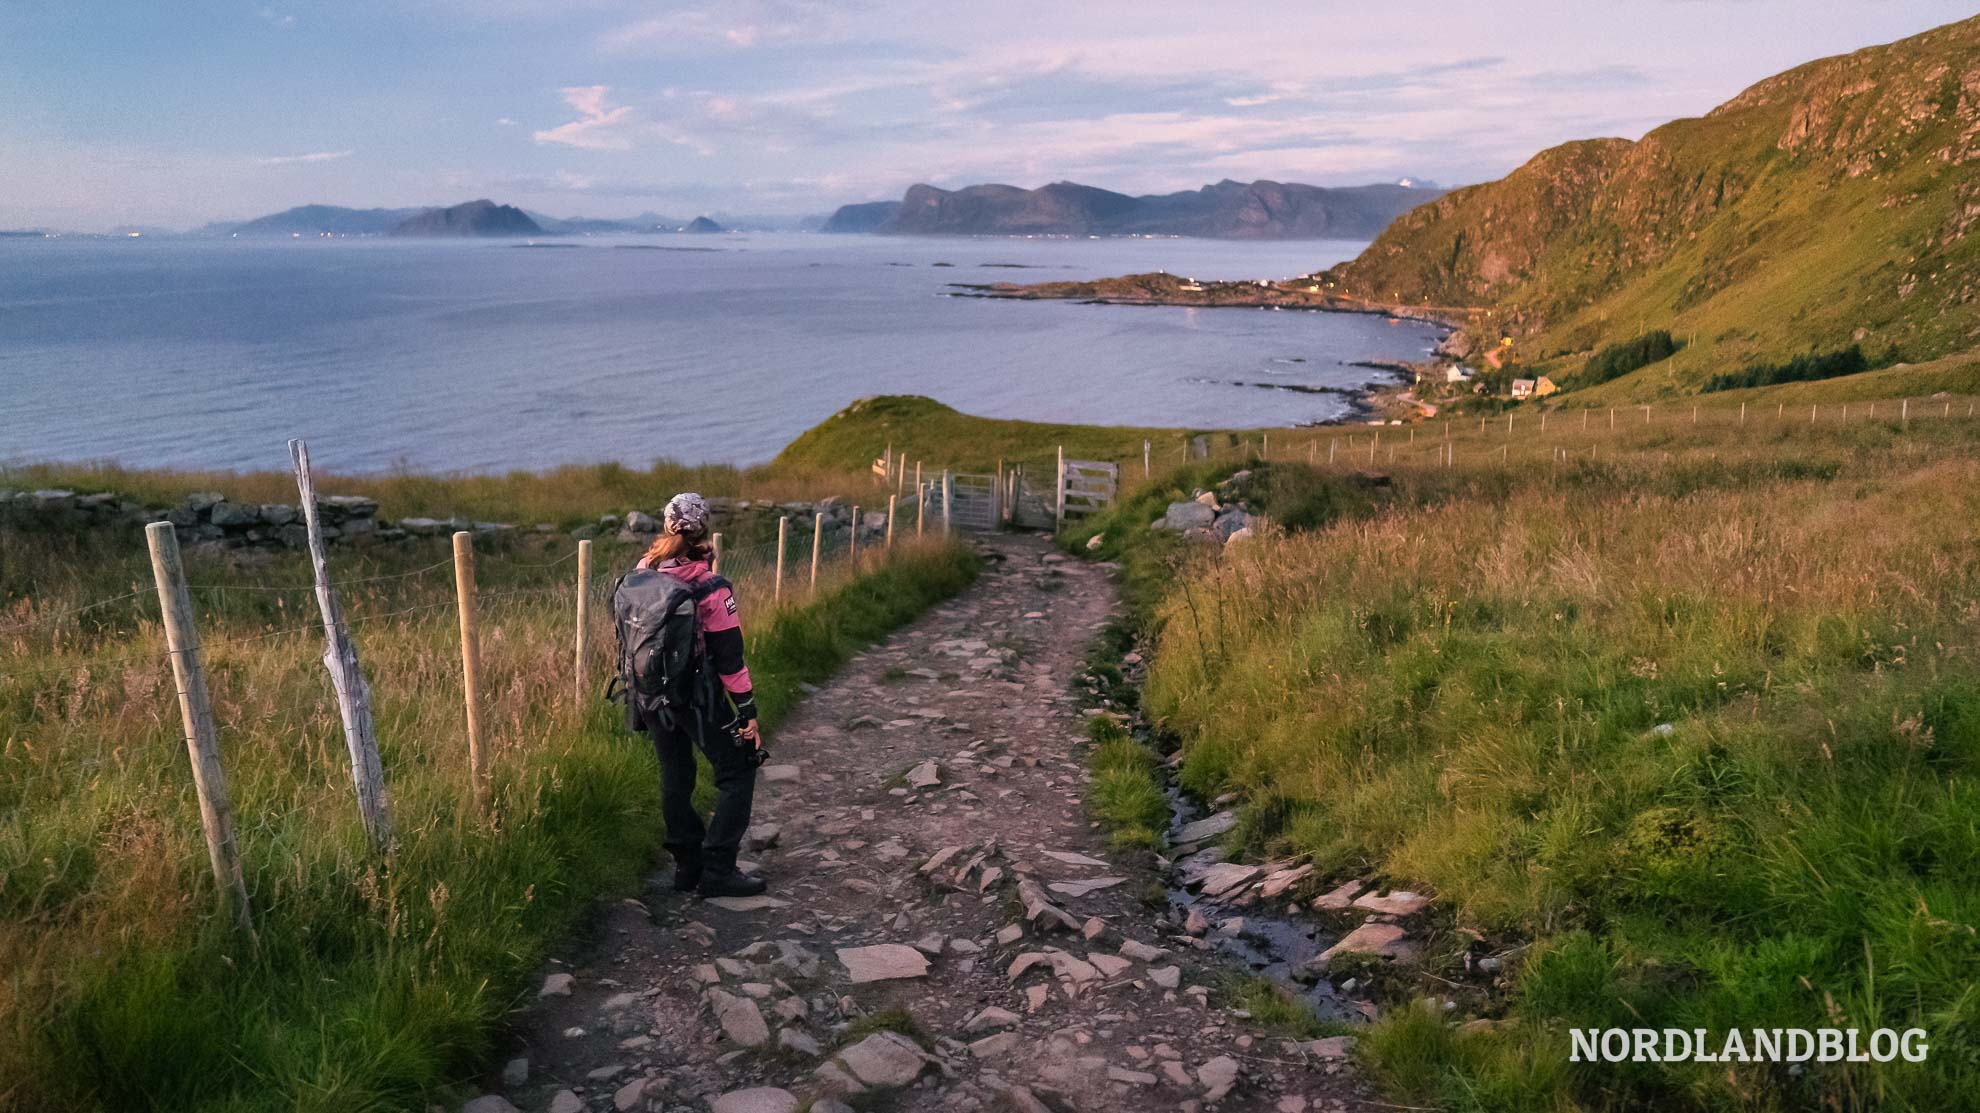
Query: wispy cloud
[[600, 126], [604, 126], [313, 156], [739, 25]]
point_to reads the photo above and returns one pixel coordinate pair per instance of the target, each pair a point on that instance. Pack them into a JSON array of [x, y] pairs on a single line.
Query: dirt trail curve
[[914, 807]]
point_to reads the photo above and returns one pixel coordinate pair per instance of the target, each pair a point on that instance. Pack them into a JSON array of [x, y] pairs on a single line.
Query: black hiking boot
[[733, 883], [687, 872]]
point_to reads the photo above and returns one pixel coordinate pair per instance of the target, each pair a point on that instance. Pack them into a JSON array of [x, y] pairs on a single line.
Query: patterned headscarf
[[686, 514]]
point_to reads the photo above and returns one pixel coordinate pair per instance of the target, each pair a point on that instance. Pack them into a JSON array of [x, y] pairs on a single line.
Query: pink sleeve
[[718, 611]]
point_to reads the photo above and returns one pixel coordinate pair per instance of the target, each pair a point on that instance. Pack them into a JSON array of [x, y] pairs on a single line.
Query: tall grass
[[1695, 714], [379, 981]]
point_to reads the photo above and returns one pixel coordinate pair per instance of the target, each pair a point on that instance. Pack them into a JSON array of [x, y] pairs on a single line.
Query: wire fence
[[1530, 437]]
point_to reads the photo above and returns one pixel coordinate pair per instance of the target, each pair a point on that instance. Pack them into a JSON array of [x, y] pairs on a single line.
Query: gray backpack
[[663, 670]]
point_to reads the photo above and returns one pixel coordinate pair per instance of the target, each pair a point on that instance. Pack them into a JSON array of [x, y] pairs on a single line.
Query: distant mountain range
[[1259, 210], [472, 219], [1837, 203]]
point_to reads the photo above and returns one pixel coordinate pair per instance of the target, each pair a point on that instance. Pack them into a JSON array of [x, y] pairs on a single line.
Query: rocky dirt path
[[945, 927]]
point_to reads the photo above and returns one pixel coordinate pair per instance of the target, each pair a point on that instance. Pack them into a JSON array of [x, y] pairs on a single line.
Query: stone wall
[[210, 517]]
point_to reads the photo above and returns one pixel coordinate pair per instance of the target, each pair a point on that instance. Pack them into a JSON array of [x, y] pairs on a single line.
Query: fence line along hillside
[[393, 906]]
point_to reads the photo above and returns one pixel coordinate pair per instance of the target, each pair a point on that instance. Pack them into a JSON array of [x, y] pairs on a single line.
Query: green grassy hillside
[[923, 429], [1828, 205]]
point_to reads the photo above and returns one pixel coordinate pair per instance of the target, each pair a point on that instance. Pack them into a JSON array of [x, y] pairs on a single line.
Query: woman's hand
[[753, 733]]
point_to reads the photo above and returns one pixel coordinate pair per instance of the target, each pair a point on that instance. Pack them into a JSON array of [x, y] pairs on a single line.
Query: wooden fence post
[[470, 664], [583, 620], [340, 658], [890, 523], [715, 542], [948, 496], [852, 549], [1145, 467], [1742, 413], [920, 507], [216, 810], [1264, 446], [783, 536], [1059, 506], [1331, 446], [817, 543]]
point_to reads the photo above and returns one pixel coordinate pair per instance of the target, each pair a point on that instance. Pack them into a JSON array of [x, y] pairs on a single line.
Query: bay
[[487, 356]]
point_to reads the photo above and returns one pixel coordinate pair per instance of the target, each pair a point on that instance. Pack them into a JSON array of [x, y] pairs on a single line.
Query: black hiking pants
[[714, 844]]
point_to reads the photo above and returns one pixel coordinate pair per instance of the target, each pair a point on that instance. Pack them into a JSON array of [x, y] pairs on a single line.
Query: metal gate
[[974, 502]]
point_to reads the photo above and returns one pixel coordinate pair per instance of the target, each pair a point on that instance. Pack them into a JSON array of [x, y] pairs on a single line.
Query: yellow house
[[1543, 386]]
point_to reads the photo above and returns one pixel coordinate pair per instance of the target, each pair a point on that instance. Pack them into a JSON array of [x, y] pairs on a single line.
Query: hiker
[[717, 718]]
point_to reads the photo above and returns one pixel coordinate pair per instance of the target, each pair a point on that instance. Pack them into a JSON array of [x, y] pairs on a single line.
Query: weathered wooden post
[[1059, 506], [817, 543], [948, 496], [783, 537], [890, 523], [715, 543], [1331, 446], [1742, 412], [1509, 419], [1145, 466], [216, 810], [852, 547], [920, 507], [340, 658], [470, 664], [1264, 446], [583, 620], [1904, 414]]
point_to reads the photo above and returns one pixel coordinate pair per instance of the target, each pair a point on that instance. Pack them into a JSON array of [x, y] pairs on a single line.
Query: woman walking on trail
[[705, 854]]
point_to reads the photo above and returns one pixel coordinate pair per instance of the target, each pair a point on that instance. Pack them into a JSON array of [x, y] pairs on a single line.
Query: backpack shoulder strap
[[709, 586]]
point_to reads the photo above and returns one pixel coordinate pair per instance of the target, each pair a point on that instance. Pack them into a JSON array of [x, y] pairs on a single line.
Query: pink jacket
[[717, 613]]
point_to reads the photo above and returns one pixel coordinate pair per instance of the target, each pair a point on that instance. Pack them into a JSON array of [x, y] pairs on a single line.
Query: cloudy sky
[[183, 112]]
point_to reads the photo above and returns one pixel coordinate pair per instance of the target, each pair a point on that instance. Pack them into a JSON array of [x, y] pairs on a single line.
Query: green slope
[[1825, 206]]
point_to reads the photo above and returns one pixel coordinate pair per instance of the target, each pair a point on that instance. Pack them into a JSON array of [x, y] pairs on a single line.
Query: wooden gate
[[1086, 487], [973, 502]]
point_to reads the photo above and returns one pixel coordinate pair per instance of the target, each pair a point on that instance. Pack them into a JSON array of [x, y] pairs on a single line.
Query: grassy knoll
[[566, 496], [1681, 718], [924, 429], [379, 982]]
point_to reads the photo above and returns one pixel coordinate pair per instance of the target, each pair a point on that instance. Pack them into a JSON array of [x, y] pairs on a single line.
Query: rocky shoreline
[[1368, 404]]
